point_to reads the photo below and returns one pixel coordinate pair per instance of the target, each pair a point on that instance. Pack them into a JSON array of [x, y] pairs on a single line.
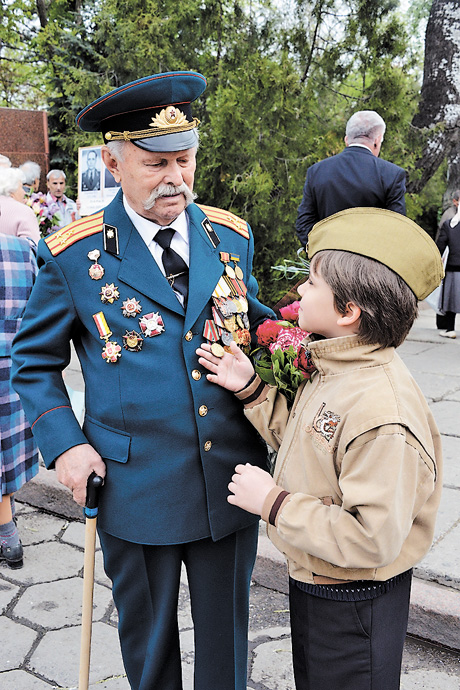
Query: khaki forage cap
[[386, 236]]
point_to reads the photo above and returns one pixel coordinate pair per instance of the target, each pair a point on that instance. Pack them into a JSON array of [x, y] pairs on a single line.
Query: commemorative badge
[[131, 307], [151, 324], [95, 271], [111, 351], [109, 293], [133, 341]]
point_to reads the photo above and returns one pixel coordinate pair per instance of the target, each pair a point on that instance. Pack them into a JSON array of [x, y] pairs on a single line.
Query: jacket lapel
[[205, 267], [138, 268]]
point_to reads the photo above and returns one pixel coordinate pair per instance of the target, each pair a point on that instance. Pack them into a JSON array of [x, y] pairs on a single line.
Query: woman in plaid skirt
[[18, 452]]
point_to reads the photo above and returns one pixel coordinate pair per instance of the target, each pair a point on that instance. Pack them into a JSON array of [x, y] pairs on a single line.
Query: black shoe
[[13, 555]]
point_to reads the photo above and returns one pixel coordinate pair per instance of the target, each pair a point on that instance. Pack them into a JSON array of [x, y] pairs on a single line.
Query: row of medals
[[230, 310], [230, 319]]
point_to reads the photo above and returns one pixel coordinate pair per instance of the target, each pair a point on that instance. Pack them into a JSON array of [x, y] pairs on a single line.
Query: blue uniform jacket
[[170, 438]]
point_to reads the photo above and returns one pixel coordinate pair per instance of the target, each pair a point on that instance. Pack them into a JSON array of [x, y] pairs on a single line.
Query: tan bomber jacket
[[360, 456]]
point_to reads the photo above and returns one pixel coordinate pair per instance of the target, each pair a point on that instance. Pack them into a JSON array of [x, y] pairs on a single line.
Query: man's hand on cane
[[74, 466]]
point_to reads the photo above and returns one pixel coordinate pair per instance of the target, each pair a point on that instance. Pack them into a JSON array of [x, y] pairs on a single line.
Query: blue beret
[[153, 112]]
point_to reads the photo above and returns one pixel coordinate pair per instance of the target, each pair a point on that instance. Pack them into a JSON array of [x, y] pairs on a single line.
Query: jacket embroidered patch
[[325, 423]]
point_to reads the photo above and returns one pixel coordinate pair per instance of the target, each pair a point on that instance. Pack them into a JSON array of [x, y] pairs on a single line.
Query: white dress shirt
[[147, 229]]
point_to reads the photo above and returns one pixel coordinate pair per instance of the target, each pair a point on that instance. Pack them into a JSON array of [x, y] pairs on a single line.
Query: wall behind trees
[[283, 78]]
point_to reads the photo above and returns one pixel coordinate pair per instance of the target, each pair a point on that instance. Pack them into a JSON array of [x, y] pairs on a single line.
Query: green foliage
[[283, 78]]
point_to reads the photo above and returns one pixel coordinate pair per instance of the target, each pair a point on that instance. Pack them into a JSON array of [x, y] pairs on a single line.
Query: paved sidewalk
[[40, 605]]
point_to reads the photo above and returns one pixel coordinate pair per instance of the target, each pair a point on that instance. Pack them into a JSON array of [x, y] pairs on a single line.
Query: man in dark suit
[[91, 177], [355, 177], [136, 287]]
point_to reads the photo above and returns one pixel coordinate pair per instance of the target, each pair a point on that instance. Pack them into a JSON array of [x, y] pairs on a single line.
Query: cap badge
[[169, 117]]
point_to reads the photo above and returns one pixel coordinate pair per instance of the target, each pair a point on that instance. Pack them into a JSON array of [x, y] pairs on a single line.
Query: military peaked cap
[[153, 112]]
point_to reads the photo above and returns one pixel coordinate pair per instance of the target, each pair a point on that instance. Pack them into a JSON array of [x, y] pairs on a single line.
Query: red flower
[[291, 311], [287, 337], [304, 362], [267, 332]]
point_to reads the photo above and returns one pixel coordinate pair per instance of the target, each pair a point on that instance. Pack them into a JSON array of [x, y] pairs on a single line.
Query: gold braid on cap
[[169, 121]]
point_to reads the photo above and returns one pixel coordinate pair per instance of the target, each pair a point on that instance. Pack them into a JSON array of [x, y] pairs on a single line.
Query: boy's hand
[[232, 371], [250, 487]]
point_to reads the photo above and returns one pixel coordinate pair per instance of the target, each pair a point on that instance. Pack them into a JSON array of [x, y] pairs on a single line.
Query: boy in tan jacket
[[357, 482]]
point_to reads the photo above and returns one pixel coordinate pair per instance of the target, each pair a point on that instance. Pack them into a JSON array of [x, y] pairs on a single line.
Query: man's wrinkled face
[[157, 185], [56, 185]]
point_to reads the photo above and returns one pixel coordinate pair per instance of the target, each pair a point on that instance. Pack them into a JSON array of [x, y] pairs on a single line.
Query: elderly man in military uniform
[[136, 288]]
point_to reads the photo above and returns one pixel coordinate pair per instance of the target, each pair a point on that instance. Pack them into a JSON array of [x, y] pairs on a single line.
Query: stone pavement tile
[[55, 605], [424, 680], [272, 665], [16, 642], [448, 513], [75, 534], [57, 656], [188, 656], [451, 453], [271, 633], [434, 359], [20, 680], [37, 527], [7, 593], [442, 563], [438, 386], [45, 563], [447, 415], [435, 613], [99, 572]]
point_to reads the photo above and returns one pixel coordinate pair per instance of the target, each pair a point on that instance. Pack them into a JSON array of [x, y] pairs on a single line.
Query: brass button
[[196, 374], [203, 411], [188, 336], [207, 445]]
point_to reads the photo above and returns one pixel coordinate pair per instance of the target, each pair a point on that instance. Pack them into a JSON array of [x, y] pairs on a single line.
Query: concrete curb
[[434, 611]]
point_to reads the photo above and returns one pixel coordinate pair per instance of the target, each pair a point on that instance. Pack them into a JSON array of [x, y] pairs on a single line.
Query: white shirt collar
[[147, 229], [361, 146]]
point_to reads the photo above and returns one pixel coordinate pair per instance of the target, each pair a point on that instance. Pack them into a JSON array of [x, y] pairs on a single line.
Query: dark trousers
[[446, 321], [146, 583], [341, 645]]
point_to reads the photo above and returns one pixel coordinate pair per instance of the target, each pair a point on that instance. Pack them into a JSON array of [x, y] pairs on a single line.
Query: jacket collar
[[139, 269], [339, 355]]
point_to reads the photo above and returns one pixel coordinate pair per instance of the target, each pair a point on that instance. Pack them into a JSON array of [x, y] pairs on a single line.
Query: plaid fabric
[[18, 452], [18, 269]]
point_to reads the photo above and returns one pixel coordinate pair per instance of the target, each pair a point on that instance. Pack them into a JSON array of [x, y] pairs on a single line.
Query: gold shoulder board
[[65, 237], [226, 218]]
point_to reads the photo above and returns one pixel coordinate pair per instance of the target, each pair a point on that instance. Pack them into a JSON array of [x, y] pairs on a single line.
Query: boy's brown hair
[[388, 305]]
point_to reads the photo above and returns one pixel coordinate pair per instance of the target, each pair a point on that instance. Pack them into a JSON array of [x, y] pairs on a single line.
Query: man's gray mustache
[[165, 190]]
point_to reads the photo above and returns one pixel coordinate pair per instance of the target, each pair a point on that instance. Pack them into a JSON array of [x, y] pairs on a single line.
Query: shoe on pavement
[[447, 334], [13, 555]]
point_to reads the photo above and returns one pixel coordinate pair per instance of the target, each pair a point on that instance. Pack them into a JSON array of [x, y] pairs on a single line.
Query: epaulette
[[226, 218], [77, 230]]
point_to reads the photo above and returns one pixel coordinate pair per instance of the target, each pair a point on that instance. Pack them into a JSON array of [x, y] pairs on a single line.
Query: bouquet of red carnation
[[282, 360]]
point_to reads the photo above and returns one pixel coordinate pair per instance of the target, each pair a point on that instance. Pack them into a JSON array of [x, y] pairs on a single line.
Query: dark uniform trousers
[[146, 583]]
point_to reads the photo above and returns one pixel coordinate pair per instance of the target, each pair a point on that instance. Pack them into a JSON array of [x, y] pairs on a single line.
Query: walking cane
[[90, 512]]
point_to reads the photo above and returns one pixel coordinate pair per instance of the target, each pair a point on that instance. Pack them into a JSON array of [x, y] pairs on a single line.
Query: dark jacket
[[450, 237], [352, 178]]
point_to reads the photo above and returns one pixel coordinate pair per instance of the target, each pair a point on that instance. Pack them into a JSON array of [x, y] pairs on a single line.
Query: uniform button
[[196, 374], [188, 336], [203, 411], [207, 445]]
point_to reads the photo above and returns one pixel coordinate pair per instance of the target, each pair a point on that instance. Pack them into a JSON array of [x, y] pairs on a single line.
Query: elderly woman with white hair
[[15, 217]]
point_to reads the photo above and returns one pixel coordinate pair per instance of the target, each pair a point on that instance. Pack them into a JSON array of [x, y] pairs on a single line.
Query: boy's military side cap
[[386, 236], [154, 112]]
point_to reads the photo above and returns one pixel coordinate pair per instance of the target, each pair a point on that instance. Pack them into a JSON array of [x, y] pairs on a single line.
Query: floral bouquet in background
[[282, 360], [48, 214]]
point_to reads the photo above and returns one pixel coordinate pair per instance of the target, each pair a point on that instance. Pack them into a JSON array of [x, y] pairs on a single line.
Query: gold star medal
[[95, 271], [131, 307], [109, 293], [133, 341]]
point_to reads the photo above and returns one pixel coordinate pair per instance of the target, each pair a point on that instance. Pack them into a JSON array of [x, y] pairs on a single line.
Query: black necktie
[[175, 267]]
